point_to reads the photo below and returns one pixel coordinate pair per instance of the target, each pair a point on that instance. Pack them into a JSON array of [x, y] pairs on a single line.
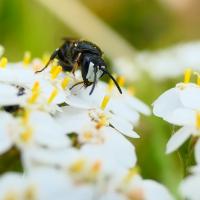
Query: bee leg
[[78, 83], [75, 66], [54, 54]]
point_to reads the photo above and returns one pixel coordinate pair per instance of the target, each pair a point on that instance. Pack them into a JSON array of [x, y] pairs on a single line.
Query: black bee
[[86, 55]]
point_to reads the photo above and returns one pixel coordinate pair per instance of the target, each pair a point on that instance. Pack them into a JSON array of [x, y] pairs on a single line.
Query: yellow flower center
[[187, 75], [3, 62], [27, 134], [30, 193], [87, 135], [96, 167], [77, 166], [11, 195], [102, 121]]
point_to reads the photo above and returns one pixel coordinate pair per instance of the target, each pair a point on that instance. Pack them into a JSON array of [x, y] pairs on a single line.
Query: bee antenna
[[113, 79], [95, 80]]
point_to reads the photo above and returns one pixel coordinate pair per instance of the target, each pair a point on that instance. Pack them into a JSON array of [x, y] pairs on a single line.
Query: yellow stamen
[[33, 97], [30, 193], [26, 116], [96, 167], [77, 166], [52, 95], [198, 120], [65, 82], [198, 78], [55, 72], [121, 81], [105, 101], [36, 86], [110, 86], [132, 172], [11, 195], [187, 75], [87, 135], [53, 68], [45, 58], [3, 62], [26, 135], [27, 58]]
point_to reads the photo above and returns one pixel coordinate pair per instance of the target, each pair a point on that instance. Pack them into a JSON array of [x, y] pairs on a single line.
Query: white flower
[[105, 145], [170, 62], [189, 187], [130, 185], [6, 123], [36, 90], [11, 186], [123, 105], [180, 106], [99, 117], [36, 129]]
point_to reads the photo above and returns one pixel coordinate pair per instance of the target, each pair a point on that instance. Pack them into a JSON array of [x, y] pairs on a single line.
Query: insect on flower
[[84, 54]]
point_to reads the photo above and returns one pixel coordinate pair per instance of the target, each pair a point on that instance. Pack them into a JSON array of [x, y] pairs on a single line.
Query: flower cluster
[[72, 145], [180, 106]]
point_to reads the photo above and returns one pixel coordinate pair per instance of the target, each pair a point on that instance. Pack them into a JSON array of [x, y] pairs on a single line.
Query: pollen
[[3, 62], [105, 101], [30, 193], [55, 72], [102, 121], [77, 166], [65, 82], [96, 167], [87, 135], [187, 75], [198, 120], [27, 58], [121, 81], [53, 95]]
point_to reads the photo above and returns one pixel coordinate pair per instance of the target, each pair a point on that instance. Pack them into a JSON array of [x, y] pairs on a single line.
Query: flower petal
[[123, 126], [190, 97], [178, 138], [166, 103]]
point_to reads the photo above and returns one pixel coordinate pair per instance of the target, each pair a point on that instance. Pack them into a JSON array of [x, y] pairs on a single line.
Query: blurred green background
[[145, 24]]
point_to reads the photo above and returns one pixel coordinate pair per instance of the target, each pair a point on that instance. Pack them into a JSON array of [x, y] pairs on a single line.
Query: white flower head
[[180, 106]]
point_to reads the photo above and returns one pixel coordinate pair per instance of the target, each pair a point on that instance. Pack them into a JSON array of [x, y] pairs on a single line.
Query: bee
[[87, 56]]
